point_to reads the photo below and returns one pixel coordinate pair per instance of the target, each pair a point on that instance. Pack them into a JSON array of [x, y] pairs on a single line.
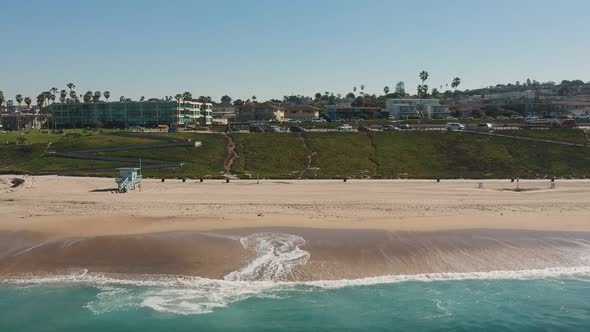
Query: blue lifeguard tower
[[129, 178]]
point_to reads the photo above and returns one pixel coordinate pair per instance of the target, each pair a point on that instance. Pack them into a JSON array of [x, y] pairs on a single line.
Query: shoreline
[[358, 229]]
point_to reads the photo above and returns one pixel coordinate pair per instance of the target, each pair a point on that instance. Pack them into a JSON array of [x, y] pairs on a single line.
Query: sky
[[272, 48]]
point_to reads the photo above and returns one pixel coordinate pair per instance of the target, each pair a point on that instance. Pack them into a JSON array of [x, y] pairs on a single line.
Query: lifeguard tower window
[[129, 178]]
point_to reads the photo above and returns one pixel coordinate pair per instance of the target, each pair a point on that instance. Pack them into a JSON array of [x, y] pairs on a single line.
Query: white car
[[345, 128], [453, 126], [293, 121], [484, 127], [318, 120]]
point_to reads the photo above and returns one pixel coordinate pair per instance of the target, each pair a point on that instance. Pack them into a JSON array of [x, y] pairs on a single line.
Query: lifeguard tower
[[129, 178]]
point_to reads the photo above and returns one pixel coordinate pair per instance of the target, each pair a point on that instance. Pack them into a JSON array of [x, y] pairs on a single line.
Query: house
[[416, 108], [224, 113], [260, 112], [302, 112]]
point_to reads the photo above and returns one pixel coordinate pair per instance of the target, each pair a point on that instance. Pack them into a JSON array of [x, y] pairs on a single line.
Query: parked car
[[293, 121], [389, 128], [356, 119], [454, 126], [451, 118], [405, 126], [501, 117], [256, 129], [484, 127], [345, 127], [516, 117], [297, 129], [318, 120], [272, 129]]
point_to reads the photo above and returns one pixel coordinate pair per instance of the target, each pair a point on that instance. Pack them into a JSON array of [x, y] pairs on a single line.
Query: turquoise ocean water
[[530, 304]]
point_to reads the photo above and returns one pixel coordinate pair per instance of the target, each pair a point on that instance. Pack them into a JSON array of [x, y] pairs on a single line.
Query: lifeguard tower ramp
[[129, 178]]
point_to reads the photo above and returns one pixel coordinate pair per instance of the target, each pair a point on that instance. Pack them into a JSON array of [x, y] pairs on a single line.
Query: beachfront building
[[131, 113], [301, 112], [261, 112], [344, 112], [416, 108], [224, 113]]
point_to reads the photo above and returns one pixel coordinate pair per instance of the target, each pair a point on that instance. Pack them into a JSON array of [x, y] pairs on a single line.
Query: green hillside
[[412, 154]]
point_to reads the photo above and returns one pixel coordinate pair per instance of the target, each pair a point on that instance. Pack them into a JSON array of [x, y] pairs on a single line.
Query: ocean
[[534, 300]]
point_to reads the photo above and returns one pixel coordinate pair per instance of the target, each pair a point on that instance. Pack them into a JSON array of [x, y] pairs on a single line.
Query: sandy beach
[[332, 229]]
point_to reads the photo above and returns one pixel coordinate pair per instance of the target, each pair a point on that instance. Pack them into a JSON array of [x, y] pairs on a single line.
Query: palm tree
[[254, 98], [187, 96], [107, 95], [386, 90], [122, 98], [28, 101], [71, 86], [87, 96], [19, 99], [142, 98], [40, 100], [47, 96], [63, 94], [96, 96], [423, 76], [422, 89], [54, 91], [456, 82], [73, 95]]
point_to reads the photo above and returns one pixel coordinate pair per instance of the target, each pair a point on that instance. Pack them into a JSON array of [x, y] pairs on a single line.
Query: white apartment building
[[416, 108]]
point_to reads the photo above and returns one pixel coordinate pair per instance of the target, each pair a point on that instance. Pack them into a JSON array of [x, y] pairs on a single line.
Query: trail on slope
[[309, 157], [232, 155], [373, 158]]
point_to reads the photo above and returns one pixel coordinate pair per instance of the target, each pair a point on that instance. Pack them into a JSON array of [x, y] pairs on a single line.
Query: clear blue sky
[[271, 48]]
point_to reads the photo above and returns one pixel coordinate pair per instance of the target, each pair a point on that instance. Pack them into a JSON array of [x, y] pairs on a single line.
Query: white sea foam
[[194, 295], [276, 257]]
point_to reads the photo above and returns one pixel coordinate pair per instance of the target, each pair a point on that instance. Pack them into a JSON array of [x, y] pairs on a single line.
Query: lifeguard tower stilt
[[129, 178]]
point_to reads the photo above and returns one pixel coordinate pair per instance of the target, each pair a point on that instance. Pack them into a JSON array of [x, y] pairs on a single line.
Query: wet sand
[[333, 254], [351, 230]]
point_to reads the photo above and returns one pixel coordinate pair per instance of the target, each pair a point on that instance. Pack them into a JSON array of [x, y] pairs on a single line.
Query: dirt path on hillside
[[309, 157], [232, 155], [373, 158]]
